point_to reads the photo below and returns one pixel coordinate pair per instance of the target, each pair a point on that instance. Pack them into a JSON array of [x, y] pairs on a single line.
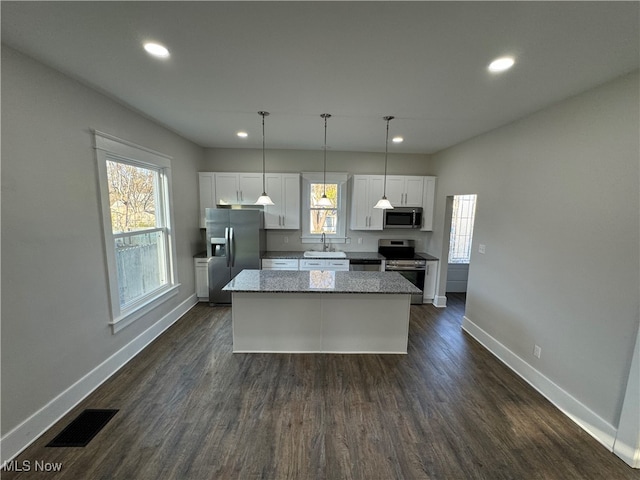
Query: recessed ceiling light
[[242, 134], [397, 139], [156, 50], [501, 64]]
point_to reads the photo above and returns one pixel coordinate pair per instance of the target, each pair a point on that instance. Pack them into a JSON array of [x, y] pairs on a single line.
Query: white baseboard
[[440, 301], [33, 427], [589, 421]]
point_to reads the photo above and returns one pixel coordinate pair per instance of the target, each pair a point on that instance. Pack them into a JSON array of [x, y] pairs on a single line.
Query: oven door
[[415, 276]]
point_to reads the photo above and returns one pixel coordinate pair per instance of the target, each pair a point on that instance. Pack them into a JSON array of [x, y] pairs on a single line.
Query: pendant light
[[383, 203], [263, 199], [324, 201]]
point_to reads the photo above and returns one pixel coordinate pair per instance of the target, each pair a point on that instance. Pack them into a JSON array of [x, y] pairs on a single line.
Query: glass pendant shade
[[324, 202], [264, 199], [384, 204]]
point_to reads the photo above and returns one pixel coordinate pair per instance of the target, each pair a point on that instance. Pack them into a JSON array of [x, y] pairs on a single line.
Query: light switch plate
[[482, 248]]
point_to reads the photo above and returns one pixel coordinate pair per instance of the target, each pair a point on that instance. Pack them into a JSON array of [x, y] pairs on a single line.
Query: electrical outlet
[[537, 351], [360, 240], [482, 248], [285, 239]]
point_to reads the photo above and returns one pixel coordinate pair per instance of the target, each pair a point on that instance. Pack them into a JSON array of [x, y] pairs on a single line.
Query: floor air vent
[[86, 426]]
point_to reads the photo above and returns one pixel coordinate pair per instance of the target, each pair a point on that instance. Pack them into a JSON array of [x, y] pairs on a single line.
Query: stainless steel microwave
[[403, 217]]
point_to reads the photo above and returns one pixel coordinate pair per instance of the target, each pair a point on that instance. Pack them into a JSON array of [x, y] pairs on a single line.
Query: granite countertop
[[300, 255], [317, 281]]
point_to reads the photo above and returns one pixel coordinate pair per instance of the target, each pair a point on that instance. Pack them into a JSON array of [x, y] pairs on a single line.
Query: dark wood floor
[[190, 409]]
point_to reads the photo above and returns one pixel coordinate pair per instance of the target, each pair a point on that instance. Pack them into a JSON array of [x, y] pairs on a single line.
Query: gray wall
[[294, 161], [558, 199], [55, 309]]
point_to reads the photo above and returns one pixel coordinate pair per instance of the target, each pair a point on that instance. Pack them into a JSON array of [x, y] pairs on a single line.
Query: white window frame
[[341, 229], [112, 148]]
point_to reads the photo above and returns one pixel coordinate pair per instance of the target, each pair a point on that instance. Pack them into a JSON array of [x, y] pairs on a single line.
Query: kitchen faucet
[[325, 245]]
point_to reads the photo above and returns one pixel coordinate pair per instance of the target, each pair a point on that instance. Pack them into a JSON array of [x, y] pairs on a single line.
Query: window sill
[[139, 311]]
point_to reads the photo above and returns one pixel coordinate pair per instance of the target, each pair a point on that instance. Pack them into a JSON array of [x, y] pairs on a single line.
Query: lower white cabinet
[[202, 278], [280, 264], [324, 264], [429, 291]]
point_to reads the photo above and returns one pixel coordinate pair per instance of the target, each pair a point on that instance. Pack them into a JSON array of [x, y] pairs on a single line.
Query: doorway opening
[[463, 211]]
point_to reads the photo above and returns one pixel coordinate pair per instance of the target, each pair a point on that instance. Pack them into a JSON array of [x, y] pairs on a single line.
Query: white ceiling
[[424, 62]]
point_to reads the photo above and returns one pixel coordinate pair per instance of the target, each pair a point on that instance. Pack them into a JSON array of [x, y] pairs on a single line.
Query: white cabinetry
[[220, 188], [430, 281], [405, 191], [428, 203], [238, 188], [324, 264], [284, 190], [207, 191], [280, 264], [202, 278], [367, 190]]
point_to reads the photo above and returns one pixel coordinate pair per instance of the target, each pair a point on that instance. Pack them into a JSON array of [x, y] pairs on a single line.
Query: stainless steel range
[[401, 257]]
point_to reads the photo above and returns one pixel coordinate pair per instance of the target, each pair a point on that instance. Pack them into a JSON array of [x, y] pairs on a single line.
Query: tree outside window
[[323, 219]]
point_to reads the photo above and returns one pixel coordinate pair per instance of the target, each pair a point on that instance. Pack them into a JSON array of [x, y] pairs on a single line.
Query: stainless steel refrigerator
[[235, 241]]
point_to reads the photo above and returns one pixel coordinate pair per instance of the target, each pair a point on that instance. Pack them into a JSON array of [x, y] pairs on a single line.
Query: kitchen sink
[[314, 254]]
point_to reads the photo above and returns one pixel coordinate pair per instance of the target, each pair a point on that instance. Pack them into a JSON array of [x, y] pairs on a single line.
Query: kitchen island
[[320, 311]]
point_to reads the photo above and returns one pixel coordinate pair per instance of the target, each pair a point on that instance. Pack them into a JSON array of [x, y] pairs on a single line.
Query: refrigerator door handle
[[227, 246], [232, 250]]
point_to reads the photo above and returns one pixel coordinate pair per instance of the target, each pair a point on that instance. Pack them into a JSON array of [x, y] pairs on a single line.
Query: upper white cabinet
[[284, 190], [405, 191], [428, 203], [238, 188], [402, 191], [207, 190], [367, 190], [219, 188]]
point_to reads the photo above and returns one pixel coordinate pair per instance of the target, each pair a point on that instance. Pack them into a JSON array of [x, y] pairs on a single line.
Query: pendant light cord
[[263, 114], [386, 151], [324, 169]]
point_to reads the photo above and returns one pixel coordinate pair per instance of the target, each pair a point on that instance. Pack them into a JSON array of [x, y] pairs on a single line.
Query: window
[[136, 207], [464, 210], [316, 219], [323, 219]]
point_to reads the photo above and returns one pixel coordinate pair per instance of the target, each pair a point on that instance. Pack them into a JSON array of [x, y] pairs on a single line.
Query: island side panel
[[365, 323], [320, 322], [276, 322]]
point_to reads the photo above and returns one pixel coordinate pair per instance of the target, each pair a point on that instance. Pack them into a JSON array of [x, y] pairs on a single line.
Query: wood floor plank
[[191, 409]]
